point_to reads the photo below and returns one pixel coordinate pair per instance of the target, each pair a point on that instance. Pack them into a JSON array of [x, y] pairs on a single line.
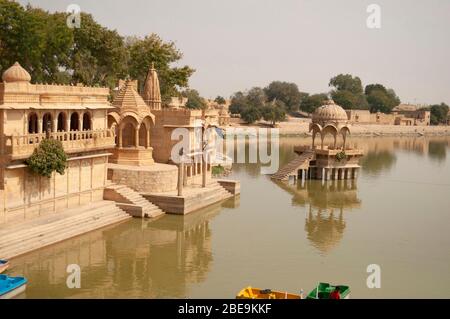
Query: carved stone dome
[[16, 74], [330, 111]]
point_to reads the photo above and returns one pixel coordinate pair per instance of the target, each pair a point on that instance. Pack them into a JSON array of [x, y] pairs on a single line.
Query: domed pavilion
[[331, 119], [335, 161]]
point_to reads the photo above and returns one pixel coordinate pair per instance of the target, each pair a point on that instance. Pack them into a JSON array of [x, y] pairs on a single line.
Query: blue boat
[[11, 286], [4, 264]]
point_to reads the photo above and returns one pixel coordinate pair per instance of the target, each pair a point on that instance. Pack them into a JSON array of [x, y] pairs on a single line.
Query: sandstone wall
[[28, 195], [146, 181]]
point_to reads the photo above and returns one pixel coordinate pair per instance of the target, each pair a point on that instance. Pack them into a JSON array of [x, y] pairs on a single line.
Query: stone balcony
[[22, 146]]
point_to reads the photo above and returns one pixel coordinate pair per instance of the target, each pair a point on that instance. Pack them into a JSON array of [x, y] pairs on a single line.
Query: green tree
[[256, 97], [220, 100], [195, 101], [238, 103], [346, 82], [274, 111], [251, 114], [152, 49], [286, 92], [91, 54], [380, 99], [311, 102], [40, 41], [99, 56], [438, 113], [348, 92], [249, 104]]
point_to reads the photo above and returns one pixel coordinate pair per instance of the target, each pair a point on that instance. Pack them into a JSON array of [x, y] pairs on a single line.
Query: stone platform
[[194, 197]]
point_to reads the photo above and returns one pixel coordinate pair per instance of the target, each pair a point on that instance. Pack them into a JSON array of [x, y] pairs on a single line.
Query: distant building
[[403, 114]]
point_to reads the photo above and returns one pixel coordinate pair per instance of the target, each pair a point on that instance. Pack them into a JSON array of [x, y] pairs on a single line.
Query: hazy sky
[[237, 44]]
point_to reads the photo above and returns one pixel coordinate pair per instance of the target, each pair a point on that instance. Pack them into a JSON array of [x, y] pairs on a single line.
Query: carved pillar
[[120, 136], [80, 122], [136, 137], [68, 122], [55, 124], [147, 142], [39, 128]]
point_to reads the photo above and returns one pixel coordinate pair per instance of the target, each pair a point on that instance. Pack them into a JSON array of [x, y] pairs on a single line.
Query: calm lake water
[[279, 236]]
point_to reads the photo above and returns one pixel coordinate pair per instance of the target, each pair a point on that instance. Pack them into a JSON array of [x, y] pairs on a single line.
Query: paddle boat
[[323, 291], [255, 293], [11, 286], [4, 264]]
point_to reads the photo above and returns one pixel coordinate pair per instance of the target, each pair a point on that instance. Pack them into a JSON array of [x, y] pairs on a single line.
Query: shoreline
[[300, 128]]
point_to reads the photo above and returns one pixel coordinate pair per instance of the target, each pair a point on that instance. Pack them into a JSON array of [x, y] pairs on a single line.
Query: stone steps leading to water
[[40, 232], [292, 167], [131, 201]]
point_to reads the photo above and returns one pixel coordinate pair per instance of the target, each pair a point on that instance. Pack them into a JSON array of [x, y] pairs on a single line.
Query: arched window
[[32, 123], [61, 122], [86, 121], [47, 123], [74, 122]]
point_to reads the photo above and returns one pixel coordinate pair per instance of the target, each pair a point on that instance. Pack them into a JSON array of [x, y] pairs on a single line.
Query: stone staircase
[[131, 201], [292, 167], [20, 238]]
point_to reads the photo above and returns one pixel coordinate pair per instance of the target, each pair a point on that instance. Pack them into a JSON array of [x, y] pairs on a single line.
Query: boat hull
[[256, 293], [15, 292]]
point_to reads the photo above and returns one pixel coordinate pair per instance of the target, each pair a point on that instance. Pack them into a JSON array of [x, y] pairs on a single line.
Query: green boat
[[323, 291]]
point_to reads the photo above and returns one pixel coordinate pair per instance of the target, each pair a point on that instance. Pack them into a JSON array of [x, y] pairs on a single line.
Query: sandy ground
[[297, 126]]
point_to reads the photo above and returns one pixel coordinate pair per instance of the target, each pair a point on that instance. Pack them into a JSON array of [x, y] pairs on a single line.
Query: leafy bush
[[218, 170], [48, 157], [341, 156]]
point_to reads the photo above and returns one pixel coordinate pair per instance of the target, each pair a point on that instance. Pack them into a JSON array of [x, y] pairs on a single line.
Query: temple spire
[[152, 93]]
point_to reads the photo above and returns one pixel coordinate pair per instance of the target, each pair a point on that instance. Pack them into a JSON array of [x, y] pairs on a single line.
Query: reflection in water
[[437, 150], [214, 253], [374, 162], [326, 203], [139, 258]]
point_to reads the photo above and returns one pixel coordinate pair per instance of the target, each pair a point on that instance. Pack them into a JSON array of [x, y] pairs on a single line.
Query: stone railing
[[22, 146]]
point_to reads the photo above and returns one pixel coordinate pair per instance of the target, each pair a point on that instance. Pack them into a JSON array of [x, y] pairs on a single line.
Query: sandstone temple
[[119, 159]]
